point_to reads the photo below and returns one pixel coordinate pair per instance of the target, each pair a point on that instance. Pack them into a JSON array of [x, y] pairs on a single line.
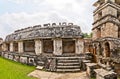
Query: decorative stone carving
[[49, 31]]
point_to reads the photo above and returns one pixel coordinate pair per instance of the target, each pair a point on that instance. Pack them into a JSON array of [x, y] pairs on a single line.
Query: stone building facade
[[106, 34], [61, 47], [50, 39], [50, 46]]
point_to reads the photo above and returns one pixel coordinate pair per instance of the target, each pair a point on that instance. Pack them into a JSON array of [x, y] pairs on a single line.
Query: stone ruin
[[62, 48]]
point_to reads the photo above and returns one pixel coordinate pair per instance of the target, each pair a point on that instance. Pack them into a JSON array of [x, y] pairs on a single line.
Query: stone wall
[[109, 30], [109, 10], [79, 46], [22, 58]]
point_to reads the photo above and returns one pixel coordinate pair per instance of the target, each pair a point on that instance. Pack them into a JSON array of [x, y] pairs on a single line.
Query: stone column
[[20, 47], [57, 46], [4, 47], [79, 46], [11, 47], [38, 47]]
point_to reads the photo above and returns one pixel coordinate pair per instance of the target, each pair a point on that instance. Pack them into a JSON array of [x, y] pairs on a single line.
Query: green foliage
[[86, 35], [13, 70]]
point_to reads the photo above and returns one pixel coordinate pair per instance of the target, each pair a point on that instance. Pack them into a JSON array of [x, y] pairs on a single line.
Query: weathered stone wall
[[88, 45], [109, 10], [109, 30], [79, 46], [94, 34], [117, 69], [106, 19], [96, 17]]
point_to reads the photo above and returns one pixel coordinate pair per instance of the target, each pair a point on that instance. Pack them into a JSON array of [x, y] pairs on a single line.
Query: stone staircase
[[62, 63], [68, 64]]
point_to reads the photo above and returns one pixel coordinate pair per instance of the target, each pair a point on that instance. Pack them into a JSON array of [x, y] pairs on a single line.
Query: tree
[[86, 35]]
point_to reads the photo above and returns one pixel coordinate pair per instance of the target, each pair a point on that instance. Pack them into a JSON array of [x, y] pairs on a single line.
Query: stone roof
[[48, 31]]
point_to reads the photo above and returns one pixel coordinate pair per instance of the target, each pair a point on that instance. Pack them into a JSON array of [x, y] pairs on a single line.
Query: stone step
[[40, 63], [67, 61], [68, 67], [68, 70], [39, 67], [68, 58], [68, 64]]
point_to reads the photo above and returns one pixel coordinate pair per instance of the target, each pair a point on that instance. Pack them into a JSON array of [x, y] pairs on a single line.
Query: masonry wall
[[109, 10], [109, 30]]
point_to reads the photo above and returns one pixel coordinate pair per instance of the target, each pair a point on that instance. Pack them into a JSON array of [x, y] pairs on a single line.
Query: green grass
[[13, 70]]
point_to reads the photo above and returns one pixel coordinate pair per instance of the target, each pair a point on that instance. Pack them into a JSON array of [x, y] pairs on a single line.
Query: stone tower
[[106, 19]]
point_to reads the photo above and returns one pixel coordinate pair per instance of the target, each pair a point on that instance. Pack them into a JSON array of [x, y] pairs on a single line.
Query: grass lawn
[[13, 70]]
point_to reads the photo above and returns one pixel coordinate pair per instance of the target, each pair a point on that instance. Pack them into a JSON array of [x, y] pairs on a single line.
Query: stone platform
[[51, 75]]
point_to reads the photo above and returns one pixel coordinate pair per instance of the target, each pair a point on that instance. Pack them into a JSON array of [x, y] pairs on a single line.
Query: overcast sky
[[16, 14]]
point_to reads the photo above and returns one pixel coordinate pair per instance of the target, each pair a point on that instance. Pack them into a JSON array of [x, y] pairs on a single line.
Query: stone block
[[84, 67], [2, 54], [90, 69], [6, 55], [31, 61], [16, 58], [24, 60], [103, 74], [11, 57]]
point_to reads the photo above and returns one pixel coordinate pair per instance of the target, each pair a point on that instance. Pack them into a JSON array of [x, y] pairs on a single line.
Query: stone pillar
[[4, 47], [11, 47], [79, 46], [38, 47], [57, 47], [20, 47]]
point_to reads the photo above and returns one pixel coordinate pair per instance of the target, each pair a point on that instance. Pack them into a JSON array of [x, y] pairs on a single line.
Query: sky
[[17, 14]]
